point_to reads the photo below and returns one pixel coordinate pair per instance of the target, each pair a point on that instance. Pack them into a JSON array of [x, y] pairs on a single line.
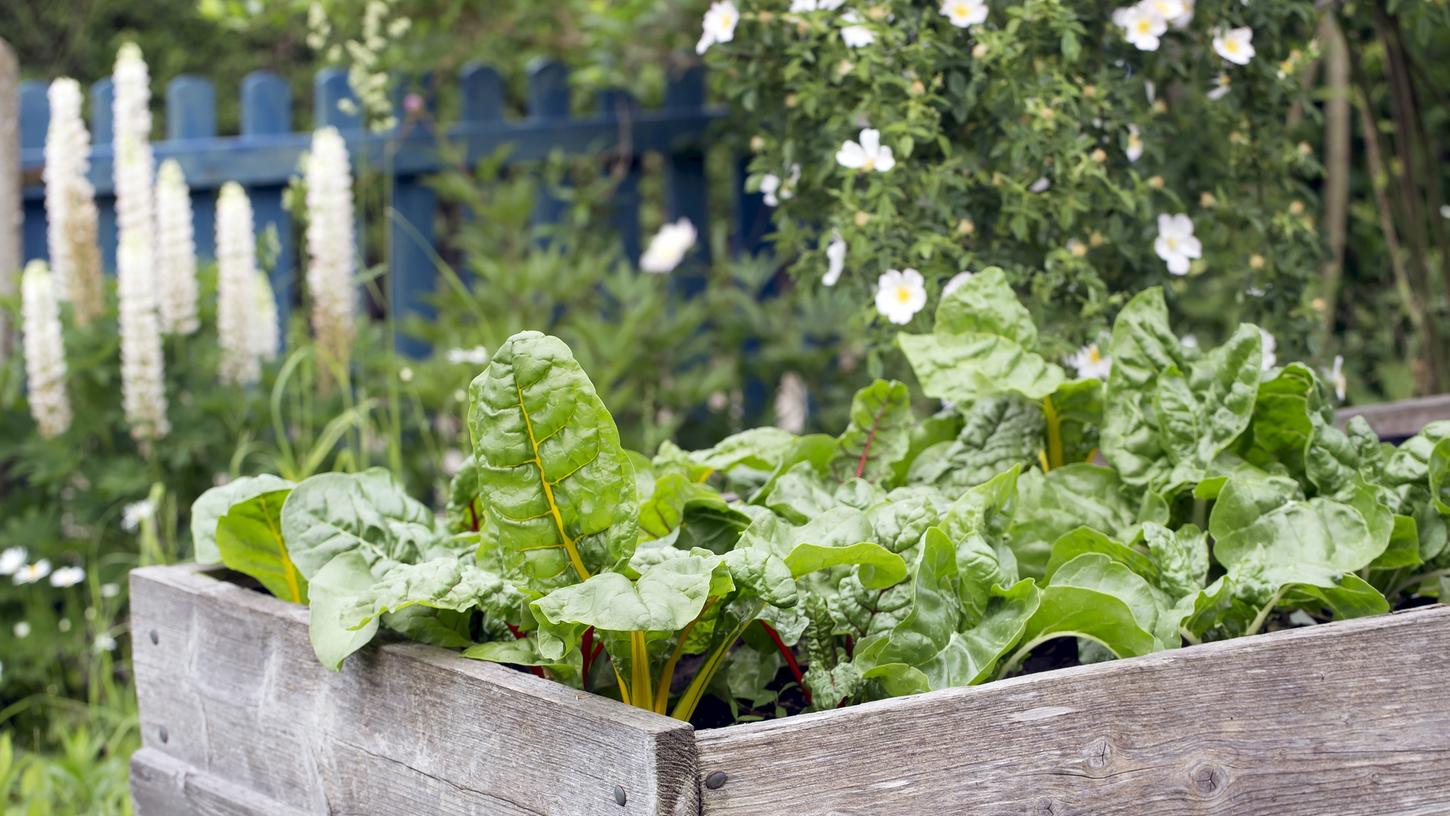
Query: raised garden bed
[[238, 717]]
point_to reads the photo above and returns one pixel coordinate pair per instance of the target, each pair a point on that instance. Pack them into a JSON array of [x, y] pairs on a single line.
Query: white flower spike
[[867, 155], [70, 206], [964, 13], [331, 245], [1235, 44], [835, 260], [668, 247], [45, 368], [792, 403], [236, 252], [1176, 243], [1337, 378], [718, 26], [900, 295], [175, 251]]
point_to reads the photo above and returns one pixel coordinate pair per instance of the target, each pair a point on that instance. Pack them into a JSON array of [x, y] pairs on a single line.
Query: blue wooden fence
[[263, 157]]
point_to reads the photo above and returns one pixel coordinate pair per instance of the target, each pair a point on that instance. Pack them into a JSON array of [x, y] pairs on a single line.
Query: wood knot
[[1208, 779], [1099, 753], [1045, 807]]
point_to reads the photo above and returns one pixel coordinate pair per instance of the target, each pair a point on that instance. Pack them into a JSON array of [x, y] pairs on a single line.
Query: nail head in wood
[[716, 780], [620, 797], [155, 638], [163, 734]]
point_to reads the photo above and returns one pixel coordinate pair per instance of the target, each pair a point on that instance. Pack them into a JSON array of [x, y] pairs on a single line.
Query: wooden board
[[1345, 719], [1399, 420], [234, 704]]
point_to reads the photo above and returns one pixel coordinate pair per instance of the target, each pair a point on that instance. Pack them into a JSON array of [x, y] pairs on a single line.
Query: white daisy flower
[[67, 577], [1090, 361], [803, 6], [12, 559], [1176, 243], [30, 573], [964, 13], [135, 513], [110, 590], [1235, 44], [668, 247], [718, 26], [868, 154], [835, 260], [854, 34], [900, 295]]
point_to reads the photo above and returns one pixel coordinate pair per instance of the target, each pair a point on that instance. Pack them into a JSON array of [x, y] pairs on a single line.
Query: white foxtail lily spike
[[44, 352], [331, 245], [236, 256], [266, 333], [175, 251], [70, 205], [143, 374], [792, 403], [135, 168]]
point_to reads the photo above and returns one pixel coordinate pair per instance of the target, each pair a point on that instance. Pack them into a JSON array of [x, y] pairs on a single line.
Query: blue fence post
[[191, 114], [752, 217], [102, 135], [548, 102], [623, 164], [411, 269], [266, 112], [34, 119], [686, 192], [480, 102]]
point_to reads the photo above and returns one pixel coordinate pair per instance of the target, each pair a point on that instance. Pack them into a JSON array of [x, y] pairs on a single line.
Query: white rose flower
[[866, 155], [67, 577], [900, 295], [718, 26], [1142, 26], [668, 247], [1220, 87], [854, 34], [1134, 150], [1235, 44], [775, 189], [835, 260], [964, 13], [1176, 243], [11, 560], [1089, 361]]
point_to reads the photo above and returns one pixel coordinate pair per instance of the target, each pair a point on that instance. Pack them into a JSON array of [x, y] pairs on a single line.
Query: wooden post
[[267, 111], [9, 184], [191, 114]]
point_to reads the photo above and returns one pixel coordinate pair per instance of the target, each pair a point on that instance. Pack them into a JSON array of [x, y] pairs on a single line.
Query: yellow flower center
[[870, 163], [903, 294], [1231, 46], [727, 21], [961, 9], [1144, 26], [1172, 243], [1094, 355]]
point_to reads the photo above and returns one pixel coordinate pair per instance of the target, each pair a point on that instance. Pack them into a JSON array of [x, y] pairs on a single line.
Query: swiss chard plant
[[1195, 495]]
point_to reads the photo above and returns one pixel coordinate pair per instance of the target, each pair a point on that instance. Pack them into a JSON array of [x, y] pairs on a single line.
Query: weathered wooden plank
[[228, 686], [1349, 718], [164, 786], [10, 259], [1402, 419]]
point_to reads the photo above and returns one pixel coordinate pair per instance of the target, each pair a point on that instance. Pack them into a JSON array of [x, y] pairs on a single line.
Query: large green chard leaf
[[1143, 347], [558, 489], [839, 537], [937, 645], [1284, 419], [1078, 408], [367, 513], [214, 503], [1095, 597], [944, 426], [525, 652], [1201, 413], [757, 449], [981, 346], [800, 494], [1180, 556], [1270, 544], [1438, 470], [879, 434], [464, 512], [676, 498], [904, 514], [999, 432], [667, 596], [978, 523], [330, 621], [1087, 540], [1050, 504], [249, 538]]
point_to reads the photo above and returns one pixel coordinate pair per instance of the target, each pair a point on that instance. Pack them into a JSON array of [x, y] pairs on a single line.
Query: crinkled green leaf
[[1180, 556], [1404, 548], [330, 618], [249, 538], [1200, 413], [448, 628], [814, 449], [1143, 346], [464, 512], [441, 583], [1050, 504], [557, 487], [986, 304], [214, 503], [1287, 409], [1438, 471], [801, 493], [1078, 405], [1081, 540], [1095, 597], [757, 448], [967, 367], [367, 513], [674, 493], [904, 514], [943, 426], [879, 433], [999, 432]]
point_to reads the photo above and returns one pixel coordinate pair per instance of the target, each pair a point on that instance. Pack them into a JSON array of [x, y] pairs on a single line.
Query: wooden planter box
[[238, 718], [1400, 420]]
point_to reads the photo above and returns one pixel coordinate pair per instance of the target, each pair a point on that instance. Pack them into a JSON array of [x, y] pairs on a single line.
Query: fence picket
[[191, 114], [102, 134], [34, 119], [411, 272], [686, 193], [623, 164], [549, 101], [266, 112]]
